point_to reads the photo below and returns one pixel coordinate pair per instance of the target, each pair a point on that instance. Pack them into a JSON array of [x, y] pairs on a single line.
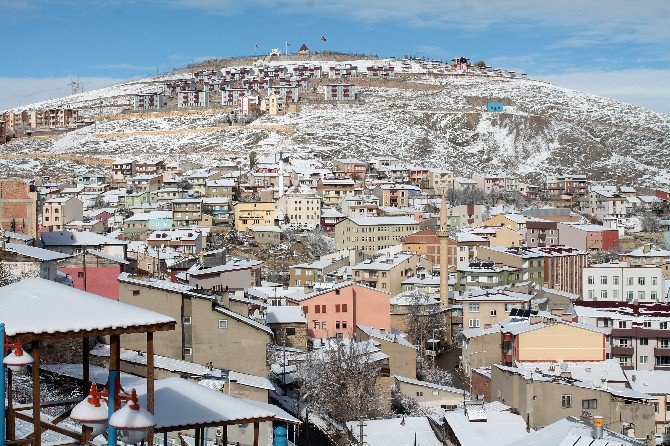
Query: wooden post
[[256, 432], [150, 382], [197, 436], [37, 435], [11, 430], [86, 348], [224, 435]]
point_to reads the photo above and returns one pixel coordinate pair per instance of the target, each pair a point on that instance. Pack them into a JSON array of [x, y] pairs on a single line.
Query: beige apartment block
[[253, 214], [58, 212], [370, 234]]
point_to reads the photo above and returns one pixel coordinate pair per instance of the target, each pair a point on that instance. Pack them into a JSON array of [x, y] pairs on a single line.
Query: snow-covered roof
[[372, 221], [430, 385], [500, 427], [583, 371], [285, 315], [180, 403], [655, 382], [44, 255], [574, 432], [78, 238], [38, 306], [394, 337], [397, 431], [104, 255], [98, 375], [276, 229]]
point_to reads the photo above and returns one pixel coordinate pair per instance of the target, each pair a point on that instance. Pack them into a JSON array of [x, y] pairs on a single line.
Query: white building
[[619, 281], [193, 98], [301, 206], [148, 101], [340, 92], [231, 96]]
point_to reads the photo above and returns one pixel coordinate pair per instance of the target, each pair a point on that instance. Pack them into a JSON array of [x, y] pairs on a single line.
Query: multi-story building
[[396, 195], [223, 188], [342, 70], [604, 202], [154, 167], [148, 101], [638, 333], [57, 212], [334, 190], [495, 184], [148, 221], [569, 185], [440, 181], [340, 92], [648, 255], [465, 216], [253, 214], [59, 117], [377, 70], [301, 207], [387, 272], [361, 206], [587, 237], [18, 207], [619, 281], [541, 233], [353, 168], [530, 262], [485, 275], [563, 267], [462, 249], [231, 96], [122, 169], [425, 243], [291, 93], [372, 234], [306, 275], [187, 241], [193, 98], [188, 212], [145, 182], [487, 308], [654, 383]]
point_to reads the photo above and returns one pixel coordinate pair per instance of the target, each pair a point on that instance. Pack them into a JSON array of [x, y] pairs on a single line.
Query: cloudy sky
[[615, 48]]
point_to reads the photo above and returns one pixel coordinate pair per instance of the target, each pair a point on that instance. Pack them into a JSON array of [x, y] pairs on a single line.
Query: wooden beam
[[150, 383], [37, 440], [86, 354], [256, 433], [29, 337], [184, 427], [49, 426], [224, 435], [44, 405], [197, 436]]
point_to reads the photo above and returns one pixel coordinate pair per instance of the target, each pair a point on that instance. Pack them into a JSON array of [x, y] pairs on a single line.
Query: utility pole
[[83, 253], [361, 432]]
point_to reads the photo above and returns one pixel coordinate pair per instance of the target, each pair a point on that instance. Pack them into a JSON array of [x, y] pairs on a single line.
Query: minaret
[[281, 175], [443, 234]]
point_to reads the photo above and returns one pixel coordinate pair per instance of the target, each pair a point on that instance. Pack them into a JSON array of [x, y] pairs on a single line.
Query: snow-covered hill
[[424, 118]]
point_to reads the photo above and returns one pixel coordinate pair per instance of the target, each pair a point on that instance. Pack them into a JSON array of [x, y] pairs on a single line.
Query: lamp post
[[15, 361], [131, 421]]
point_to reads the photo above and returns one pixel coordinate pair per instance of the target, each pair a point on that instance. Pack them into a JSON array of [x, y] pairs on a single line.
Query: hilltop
[[421, 117]]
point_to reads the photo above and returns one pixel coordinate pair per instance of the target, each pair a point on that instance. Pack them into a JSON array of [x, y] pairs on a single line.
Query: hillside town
[[362, 301]]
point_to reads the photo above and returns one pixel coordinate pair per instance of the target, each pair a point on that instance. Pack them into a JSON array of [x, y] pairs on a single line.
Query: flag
[[323, 38], [288, 44], [256, 46]]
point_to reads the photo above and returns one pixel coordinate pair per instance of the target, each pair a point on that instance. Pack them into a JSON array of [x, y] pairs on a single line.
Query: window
[[186, 320], [603, 280], [508, 308], [80, 274], [663, 361], [473, 323], [630, 296], [136, 292], [615, 279], [665, 343], [622, 324], [644, 359], [419, 393], [337, 325], [304, 309], [344, 308], [654, 295], [623, 342], [654, 281], [317, 308], [323, 309], [474, 308], [589, 404], [436, 392], [646, 324], [664, 325], [630, 281], [492, 313], [640, 280], [337, 308], [290, 331], [624, 360], [591, 280], [188, 351], [566, 401], [223, 324], [644, 341], [603, 294]]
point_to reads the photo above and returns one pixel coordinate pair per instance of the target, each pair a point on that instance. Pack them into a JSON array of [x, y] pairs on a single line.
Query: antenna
[[74, 85]]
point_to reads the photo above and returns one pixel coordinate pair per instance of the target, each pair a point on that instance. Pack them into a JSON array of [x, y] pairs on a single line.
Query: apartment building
[[232, 96], [462, 249], [372, 234], [221, 188], [425, 243], [207, 331], [148, 221], [378, 71], [465, 216], [388, 272], [621, 282], [187, 212], [340, 92], [301, 207], [122, 169], [145, 182], [148, 101], [352, 167], [57, 212], [568, 185], [587, 237], [604, 202], [638, 333], [495, 184], [149, 167], [334, 190], [290, 92], [335, 312], [648, 255], [530, 262], [394, 195], [543, 399], [563, 267], [484, 309], [440, 181], [308, 274], [485, 275], [193, 98], [253, 214], [187, 241], [654, 383], [18, 207]]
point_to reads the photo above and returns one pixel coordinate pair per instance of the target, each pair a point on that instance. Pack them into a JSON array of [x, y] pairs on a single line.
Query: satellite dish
[[563, 366]]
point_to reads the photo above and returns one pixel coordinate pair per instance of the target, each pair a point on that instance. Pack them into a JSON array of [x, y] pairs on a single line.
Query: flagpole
[[286, 53]]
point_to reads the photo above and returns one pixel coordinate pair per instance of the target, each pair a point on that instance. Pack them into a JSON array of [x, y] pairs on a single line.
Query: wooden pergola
[[37, 310]]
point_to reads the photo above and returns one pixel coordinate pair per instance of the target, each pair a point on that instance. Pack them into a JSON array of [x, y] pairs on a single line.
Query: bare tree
[[423, 319], [339, 381], [402, 404], [649, 222], [427, 370]]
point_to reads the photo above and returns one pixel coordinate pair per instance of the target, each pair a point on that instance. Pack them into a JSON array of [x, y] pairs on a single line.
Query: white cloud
[[643, 87], [16, 91]]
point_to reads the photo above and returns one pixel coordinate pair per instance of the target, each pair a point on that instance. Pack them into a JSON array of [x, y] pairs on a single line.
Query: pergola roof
[[35, 309], [181, 404]]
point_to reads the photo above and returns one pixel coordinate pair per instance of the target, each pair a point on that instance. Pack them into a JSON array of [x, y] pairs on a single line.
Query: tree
[[423, 319], [253, 159], [427, 370], [649, 222], [402, 404], [339, 381], [480, 64]]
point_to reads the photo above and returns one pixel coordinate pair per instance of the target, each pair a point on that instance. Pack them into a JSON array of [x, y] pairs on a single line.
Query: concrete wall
[[561, 342]]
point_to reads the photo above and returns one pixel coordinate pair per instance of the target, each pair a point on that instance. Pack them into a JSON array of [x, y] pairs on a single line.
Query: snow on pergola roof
[[41, 309], [181, 404]]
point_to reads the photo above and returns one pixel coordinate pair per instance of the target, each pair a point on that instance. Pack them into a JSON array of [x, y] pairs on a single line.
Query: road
[[449, 361]]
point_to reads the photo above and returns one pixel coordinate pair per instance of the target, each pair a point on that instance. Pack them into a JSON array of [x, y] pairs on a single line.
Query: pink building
[[335, 312], [99, 277]]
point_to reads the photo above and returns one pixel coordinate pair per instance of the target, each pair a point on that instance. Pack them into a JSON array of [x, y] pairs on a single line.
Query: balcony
[[662, 351], [622, 351]]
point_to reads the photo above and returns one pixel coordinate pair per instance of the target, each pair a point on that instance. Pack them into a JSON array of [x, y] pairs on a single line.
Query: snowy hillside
[[425, 118]]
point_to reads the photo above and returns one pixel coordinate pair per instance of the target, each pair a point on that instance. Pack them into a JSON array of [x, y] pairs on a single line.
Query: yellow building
[[506, 238], [253, 214]]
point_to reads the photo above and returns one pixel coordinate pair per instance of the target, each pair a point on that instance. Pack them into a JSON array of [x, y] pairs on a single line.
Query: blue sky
[[616, 48]]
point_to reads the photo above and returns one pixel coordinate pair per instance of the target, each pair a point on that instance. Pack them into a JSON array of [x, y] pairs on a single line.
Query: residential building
[[353, 168], [401, 352], [334, 190], [301, 207], [187, 240], [530, 262], [231, 96], [371, 234], [619, 281], [148, 222], [265, 235], [335, 312], [478, 424], [648, 255], [387, 272], [148, 101], [602, 202], [329, 218], [207, 331], [485, 275], [95, 272], [289, 325], [587, 237], [484, 309], [465, 216], [233, 275], [495, 184], [57, 212], [74, 242], [395, 195], [440, 181], [154, 167], [462, 249], [340, 92], [122, 169], [253, 214], [563, 267], [657, 384], [567, 185], [18, 207], [223, 188], [425, 243], [193, 98], [145, 182], [308, 274], [187, 212], [380, 70], [430, 396]]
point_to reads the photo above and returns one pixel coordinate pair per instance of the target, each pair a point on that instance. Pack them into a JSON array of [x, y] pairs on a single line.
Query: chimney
[[646, 248], [598, 423]]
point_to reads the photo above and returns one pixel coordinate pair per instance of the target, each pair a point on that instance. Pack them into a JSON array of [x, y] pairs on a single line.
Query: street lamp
[[131, 421], [18, 359]]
